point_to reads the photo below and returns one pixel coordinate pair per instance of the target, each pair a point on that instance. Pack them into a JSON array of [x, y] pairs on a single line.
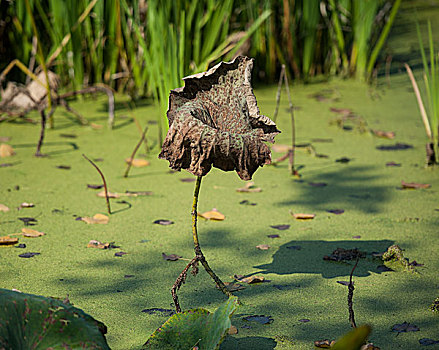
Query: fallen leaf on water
[[304, 320], [384, 134], [96, 219], [64, 167], [249, 280], [343, 160], [356, 237], [233, 287], [317, 184], [336, 211], [404, 327], [28, 221], [302, 216], [427, 341], [5, 139], [4, 208], [249, 187], [28, 255], [214, 214], [171, 257], [95, 187], [393, 164], [137, 193], [120, 254], [110, 194], [280, 227], [395, 147], [414, 185], [273, 236], [97, 244], [28, 232], [263, 246], [26, 205], [137, 162], [324, 344], [259, 318], [342, 111], [163, 222], [6, 240], [246, 202], [6, 150], [232, 330]]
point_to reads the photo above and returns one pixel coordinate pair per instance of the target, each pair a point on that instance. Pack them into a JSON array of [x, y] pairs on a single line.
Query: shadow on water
[[307, 257], [353, 186], [231, 343]]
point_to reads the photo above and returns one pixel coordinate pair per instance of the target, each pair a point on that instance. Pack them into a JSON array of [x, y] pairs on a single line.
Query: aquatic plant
[[214, 121]]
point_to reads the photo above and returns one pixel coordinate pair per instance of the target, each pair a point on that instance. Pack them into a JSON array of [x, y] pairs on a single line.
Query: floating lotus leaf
[[35, 322], [192, 328], [214, 120]]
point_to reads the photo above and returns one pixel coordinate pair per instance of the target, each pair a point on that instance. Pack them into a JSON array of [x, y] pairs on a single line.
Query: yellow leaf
[[28, 232], [96, 244], [263, 246], [6, 150], [4, 208], [96, 219], [250, 279], [6, 240], [137, 162], [302, 216], [96, 126], [212, 215]]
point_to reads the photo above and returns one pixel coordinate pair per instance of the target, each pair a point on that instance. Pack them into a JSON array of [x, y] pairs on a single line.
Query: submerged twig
[[103, 180], [351, 295], [130, 163]]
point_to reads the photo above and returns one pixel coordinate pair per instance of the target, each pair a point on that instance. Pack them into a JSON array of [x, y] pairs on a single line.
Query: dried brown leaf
[[324, 344], [96, 126], [137, 162], [280, 148], [263, 246], [110, 194], [413, 185], [26, 205], [302, 216], [232, 330], [96, 219], [28, 232], [6, 150], [6, 240], [171, 257], [4, 208], [213, 214], [249, 280], [384, 134], [96, 244]]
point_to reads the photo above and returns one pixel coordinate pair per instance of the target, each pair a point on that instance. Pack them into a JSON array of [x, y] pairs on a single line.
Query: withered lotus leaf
[[214, 120], [7, 240], [28, 232]]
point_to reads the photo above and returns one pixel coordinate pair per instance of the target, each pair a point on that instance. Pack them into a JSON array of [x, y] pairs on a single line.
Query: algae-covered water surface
[[350, 180]]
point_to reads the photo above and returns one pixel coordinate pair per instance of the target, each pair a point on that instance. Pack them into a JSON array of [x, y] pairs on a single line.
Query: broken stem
[[293, 128], [42, 132], [181, 279], [351, 295], [103, 180], [130, 163], [279, 90]]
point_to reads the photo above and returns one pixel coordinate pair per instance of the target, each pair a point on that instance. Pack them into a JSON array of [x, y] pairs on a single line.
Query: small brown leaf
[[137, 193], [6, 150], [414, 185], [342, 111], [263, 246], [26, 205], [302, 216], [4, 208], [163, 222], [214, 214], [249, 280], [6, 240], [110, 194], [233, 287], [171, 257], [137, 162], [384, 134], [323, 344], [96, 244], [28, 232], [96, 126], [233, 330], [249, 187], [96, 219]]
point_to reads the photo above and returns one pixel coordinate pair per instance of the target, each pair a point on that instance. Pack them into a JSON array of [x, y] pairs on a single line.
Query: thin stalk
[[351, 296], [293, 129], [197, 247], [103, 180], [134, 152], [279, 90]]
